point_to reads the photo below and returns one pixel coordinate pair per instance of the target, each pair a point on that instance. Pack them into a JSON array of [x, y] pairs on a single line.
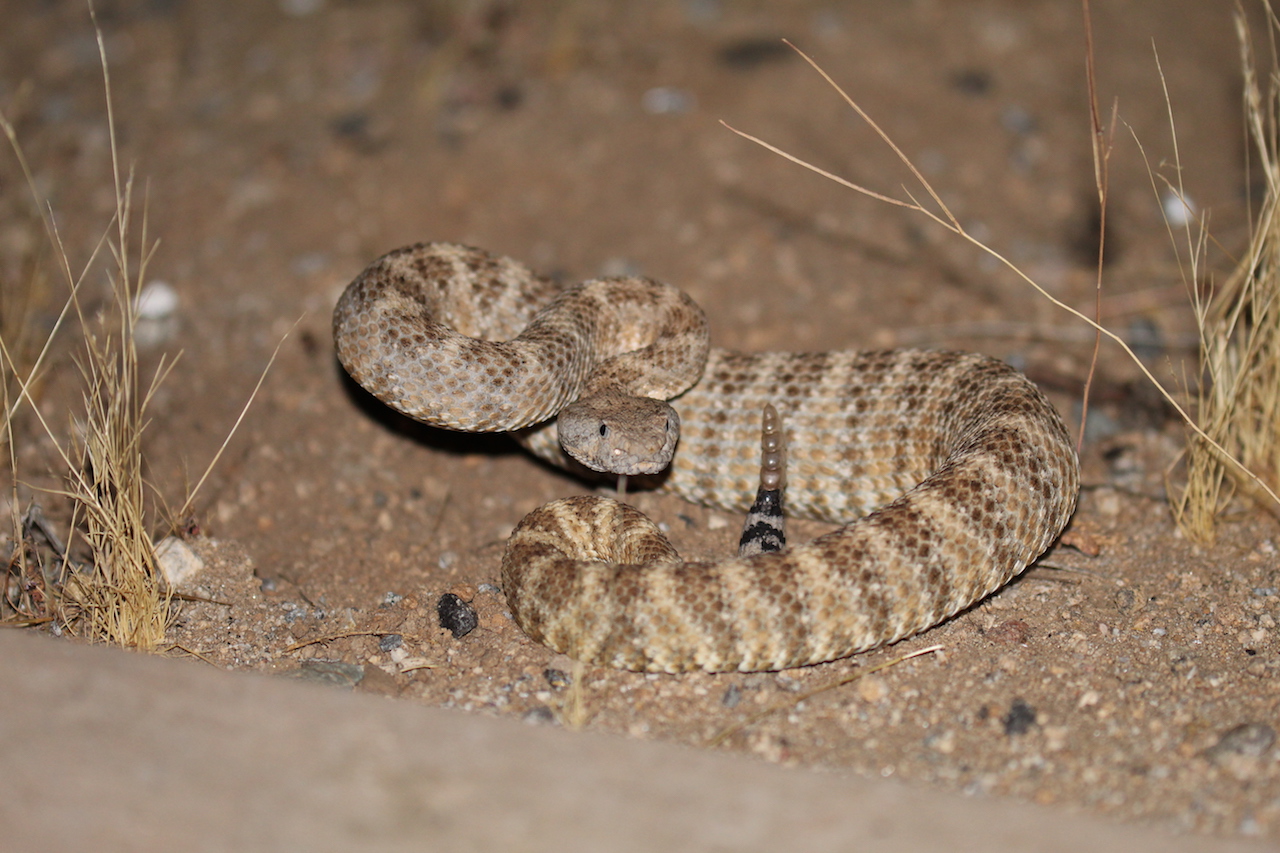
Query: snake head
[[620, 434]]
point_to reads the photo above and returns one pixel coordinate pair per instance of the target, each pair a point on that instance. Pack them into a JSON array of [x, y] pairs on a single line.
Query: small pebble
[[353, 125], [1020, 719], [456, 616], [872, 689], [1178, 210], [1250, 739], [156, 301], [828, 24], [667, 100], [155, 307], [335, 673], [748, 53], [1016, 119], [787, 683], [389, 642], [972, 81], [1012, 632], [1055, 738], [1263, 668], [557, 678], [1145, 339], [732, 696], [1107, 502], [943, 742], [1124, 599], [619, 267], [309, 263], [377, 681], [1000, 35], [509, 97], [539, 716], [391, 599], [176, 561], [703, 11], [1100, 425]]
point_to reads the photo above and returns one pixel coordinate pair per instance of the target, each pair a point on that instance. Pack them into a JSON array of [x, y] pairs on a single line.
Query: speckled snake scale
[[949, 471]]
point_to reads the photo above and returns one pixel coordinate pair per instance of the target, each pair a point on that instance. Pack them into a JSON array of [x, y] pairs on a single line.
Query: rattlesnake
[[972, 469]]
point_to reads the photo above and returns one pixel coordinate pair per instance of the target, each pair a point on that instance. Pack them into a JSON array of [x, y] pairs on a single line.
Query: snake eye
[[604, 430]]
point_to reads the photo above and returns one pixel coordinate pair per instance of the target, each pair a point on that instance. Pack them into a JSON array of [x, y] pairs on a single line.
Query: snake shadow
[[462, 443], [447, 441]]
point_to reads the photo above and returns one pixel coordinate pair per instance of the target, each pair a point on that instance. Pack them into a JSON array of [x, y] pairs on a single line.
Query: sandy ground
[[285, 146]]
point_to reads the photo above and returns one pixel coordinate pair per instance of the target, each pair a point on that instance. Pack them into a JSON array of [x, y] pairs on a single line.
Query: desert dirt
[[284, 146]]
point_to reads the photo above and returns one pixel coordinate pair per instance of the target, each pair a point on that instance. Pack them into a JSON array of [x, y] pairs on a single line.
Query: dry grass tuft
[[1239, 394], [102, 582], [117, 594], [122, 598]]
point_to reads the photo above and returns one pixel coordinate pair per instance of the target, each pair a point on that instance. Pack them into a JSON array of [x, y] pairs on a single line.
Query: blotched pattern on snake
[[949, 472]]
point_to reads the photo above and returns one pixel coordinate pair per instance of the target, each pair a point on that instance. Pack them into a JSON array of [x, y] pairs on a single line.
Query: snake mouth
[[616, 460]]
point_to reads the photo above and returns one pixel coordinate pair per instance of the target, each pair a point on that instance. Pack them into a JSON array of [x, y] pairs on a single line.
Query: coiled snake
[[965, 469]]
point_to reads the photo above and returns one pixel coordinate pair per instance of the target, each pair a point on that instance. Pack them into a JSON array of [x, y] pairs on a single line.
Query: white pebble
[[156, 301], [176, 561], [1178, 210]]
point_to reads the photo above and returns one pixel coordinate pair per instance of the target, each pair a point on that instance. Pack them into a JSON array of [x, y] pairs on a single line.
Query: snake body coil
[[950, 471]]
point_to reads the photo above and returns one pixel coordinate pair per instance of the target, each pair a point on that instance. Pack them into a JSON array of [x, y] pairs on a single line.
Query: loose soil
[[284, 146]]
